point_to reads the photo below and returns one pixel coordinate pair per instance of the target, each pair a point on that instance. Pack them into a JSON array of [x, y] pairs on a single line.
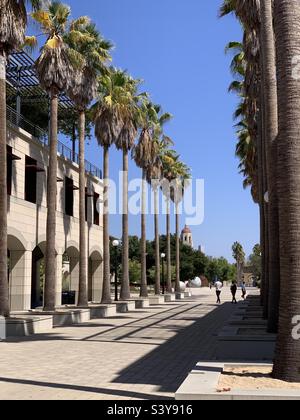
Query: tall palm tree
[[168, 159], [287, 34], [248, 13], [239, 256], [268, 55], [144, 154], [154, 177], [182, 175], [55, 69], [109, 114], [13, 22], [92, 52], [125, 142]]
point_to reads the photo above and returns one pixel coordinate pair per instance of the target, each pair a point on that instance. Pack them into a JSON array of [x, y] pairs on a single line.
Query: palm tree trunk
[[287, 32], [144, 287], [74, 143], [106, 295], [169, 273], [177, 287], [125, 287], [4, 290], [83, 263], [261, 205], [50, 255], [157, 247], [264, 189], [262, 244], [271, 124]]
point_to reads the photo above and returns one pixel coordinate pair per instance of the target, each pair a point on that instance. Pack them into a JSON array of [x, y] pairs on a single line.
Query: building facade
[[27, 213]]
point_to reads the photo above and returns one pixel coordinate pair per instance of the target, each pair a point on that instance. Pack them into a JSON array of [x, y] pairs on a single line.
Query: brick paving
[[145, 354]]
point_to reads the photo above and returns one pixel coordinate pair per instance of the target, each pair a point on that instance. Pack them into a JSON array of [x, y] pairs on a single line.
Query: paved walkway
[[145, 354]]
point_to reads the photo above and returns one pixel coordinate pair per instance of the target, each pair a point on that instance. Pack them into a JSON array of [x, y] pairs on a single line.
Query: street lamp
[[116, 245], [163, 256]]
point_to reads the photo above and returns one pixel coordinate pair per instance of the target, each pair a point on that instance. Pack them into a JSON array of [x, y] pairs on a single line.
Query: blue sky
[[177, 47]]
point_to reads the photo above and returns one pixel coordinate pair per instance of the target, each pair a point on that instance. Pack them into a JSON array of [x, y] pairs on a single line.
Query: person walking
[[218, 286], [244, 291], [233, 290]]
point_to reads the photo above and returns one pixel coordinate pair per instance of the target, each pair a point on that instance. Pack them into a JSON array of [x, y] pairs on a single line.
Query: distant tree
[[239, 256], [255, 260], [134, 272]]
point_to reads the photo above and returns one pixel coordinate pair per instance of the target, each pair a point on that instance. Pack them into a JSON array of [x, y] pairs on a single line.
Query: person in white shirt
[[218, 286]]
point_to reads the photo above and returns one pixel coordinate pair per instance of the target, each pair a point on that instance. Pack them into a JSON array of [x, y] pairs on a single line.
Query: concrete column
[[20, 280], [97, 279], [59, 259]]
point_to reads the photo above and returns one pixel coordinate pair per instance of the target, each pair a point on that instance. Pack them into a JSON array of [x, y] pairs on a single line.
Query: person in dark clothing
[[233, 292]]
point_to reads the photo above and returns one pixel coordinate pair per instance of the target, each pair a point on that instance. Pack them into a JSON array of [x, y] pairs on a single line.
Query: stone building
[[27, 180]]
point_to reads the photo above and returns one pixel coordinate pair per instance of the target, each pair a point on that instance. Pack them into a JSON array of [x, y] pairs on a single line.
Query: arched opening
[[95, 277], [37, 278], [70, 276], [17, 267]]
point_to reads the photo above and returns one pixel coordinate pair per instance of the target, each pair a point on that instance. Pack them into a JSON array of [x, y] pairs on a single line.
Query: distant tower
[[187, 237]]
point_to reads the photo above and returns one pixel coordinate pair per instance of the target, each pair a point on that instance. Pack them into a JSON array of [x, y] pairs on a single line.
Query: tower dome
[[187, 236]]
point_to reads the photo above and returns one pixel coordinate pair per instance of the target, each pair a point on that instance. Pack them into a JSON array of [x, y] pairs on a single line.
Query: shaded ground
[[145, 354]]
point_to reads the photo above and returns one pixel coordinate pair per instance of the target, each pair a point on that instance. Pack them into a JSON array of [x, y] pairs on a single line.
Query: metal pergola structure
[[23, 87], [23, 84]]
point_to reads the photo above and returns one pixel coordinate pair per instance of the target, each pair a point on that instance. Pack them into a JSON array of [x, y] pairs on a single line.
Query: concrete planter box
[[245, 342], [98, 311], [156, 300], [124, 307], [141, 303], [25, 326], [187, 294], [71, 317], [202, 385], [64, 317], [169, 298], [179, 296]]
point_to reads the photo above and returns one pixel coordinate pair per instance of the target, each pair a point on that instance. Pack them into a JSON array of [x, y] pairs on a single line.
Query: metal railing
[[41, 135]]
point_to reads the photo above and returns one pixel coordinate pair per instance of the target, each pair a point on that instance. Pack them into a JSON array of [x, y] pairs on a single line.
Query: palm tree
[[181, 176], [252, 112], [109, 115], [268, 55], [287, 34], [13, 22], [91, 52], [154, 177], [144, 154], [239, 256], [55, 69], [125, 142], [168, 159]]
